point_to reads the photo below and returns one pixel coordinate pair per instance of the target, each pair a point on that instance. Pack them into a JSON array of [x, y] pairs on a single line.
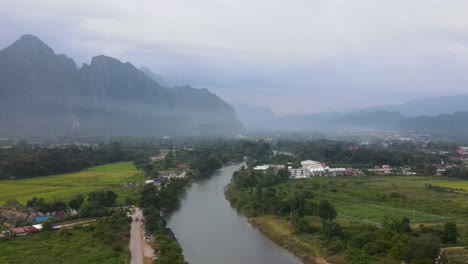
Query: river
[[210, 231]]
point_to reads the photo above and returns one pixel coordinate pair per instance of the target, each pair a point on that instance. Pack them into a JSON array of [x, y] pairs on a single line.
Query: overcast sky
[[298, 56]]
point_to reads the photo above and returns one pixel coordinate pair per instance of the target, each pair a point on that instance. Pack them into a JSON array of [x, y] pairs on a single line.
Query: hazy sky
[[297, 56]]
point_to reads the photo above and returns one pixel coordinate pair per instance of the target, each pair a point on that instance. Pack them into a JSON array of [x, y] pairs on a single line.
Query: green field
[[66, 186], [371, 199], [376, 214]]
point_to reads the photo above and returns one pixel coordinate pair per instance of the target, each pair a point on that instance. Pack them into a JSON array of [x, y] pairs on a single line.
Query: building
[[299, 173], [310, 164], [386, 168], [265, 167], [312, 168], [336, 171], [25, 230], [262, 167], [18, 231], [317, 172]]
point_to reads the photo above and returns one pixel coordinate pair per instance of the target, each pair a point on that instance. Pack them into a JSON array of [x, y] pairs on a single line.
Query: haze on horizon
[[295, 57]]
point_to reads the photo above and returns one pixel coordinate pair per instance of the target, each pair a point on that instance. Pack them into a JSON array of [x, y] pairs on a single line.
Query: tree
[[422, 249], [76, 202], [450, 233], [47, 225], [397, 225], [326, 211]]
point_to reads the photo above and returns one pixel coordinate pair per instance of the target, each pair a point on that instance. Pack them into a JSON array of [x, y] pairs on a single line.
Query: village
[[310, 169], [19, 220]]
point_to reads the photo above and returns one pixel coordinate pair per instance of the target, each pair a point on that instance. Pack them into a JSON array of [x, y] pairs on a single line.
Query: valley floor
[[65, 186]]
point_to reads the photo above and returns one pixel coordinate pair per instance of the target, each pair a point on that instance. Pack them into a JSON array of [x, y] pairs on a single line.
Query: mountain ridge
[[45, 93], [431, 106]]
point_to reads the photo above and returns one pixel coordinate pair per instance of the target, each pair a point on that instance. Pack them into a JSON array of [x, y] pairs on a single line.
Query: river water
[[210, 231]]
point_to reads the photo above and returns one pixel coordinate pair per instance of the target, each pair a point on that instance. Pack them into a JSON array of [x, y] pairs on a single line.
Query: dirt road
[[136, 239]]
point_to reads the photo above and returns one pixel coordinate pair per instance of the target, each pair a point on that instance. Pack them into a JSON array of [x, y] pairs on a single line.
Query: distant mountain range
[[45, 94], [447, 114], [428, 106]]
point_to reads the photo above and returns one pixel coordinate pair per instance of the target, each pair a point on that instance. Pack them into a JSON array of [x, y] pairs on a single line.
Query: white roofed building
[[310, 164]]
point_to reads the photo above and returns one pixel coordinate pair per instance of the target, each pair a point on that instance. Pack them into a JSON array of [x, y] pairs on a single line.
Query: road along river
[[210, 231]]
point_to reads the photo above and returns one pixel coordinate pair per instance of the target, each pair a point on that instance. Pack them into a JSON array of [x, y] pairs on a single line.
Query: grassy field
[[66, 186], [371, 199], [457, 255], [374, 213]]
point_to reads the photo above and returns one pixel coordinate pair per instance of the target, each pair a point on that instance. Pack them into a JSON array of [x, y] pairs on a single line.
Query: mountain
[[156, 77], [428, 106], [369, 121], [446, 123], [256, 118], [45, 94]]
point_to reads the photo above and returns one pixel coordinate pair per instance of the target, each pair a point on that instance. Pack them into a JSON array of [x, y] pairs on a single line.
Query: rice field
[[66, 186], [463, 185]]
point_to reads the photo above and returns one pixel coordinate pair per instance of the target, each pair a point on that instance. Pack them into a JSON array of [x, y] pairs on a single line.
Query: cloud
[[359, 53]]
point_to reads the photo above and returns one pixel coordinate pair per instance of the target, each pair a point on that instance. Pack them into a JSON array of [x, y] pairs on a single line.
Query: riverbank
[[205, 213], [281, 232]]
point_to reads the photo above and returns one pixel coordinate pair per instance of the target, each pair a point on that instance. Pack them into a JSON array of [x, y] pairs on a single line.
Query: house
[[463, 150], [31, 229], [456, 158], [18, 231], [25, 230], [386, 168]]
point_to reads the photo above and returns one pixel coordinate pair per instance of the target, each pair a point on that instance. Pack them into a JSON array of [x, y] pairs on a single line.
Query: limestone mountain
[[156, 77], [45, 94]]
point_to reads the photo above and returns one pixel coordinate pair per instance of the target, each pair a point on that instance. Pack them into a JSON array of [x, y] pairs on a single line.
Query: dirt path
[[136, 239]]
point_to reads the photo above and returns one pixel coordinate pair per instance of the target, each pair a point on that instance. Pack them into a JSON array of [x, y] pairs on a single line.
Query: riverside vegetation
[[353, 220], [202, 162]]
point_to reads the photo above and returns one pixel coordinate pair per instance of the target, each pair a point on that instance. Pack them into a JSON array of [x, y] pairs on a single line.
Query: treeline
[[204, 159], [458, 172], [96, 204], [167, 249], [338, 153], [166, 198], [256, 194], [24, 160]]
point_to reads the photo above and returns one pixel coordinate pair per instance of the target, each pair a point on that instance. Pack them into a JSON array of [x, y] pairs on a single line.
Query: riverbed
[[210, 231]]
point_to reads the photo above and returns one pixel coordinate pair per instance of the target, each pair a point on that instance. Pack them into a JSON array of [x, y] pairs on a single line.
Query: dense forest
[[339, 153], [26, 161]]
